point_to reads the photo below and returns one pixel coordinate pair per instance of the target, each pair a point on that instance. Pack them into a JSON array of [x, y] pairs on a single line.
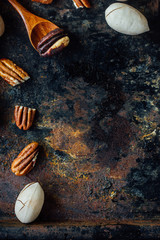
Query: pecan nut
[[53, 42], [26, 160], [81, 3], [24, 117], [12, 73], [43, 1]]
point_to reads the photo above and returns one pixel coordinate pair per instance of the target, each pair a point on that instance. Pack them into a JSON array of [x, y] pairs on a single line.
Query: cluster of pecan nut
[[15, 75], [50, 44], [24, 117]]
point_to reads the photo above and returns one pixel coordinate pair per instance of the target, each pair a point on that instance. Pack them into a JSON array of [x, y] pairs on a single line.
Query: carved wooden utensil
[[42, 32]]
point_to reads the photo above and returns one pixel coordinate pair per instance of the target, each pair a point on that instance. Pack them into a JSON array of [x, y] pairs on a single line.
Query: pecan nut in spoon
[[53, 42], [37, 27]]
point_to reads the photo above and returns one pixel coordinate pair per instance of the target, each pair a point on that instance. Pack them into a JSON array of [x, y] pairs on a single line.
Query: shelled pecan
[[26, 160], [24, 117], [12, 73], [81, 3], [43, 1], [53, 42]]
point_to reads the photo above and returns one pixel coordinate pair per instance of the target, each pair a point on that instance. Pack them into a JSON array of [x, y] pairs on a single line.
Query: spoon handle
[[20, 9], [29, 19]]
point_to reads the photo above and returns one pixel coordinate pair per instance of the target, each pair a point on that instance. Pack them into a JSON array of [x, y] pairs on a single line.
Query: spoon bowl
[[39, 31]]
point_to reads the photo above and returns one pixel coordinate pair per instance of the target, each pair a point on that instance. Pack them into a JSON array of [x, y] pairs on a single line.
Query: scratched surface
[[97, 120]]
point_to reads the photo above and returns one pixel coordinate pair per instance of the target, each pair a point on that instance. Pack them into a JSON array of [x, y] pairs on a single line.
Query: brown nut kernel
[[11, 73], [26, 160], [81, 3], [43, 1], [53, 43], [24, 117]]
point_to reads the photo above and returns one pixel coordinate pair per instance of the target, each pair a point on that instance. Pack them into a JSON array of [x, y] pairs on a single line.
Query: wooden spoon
[[37, 27]]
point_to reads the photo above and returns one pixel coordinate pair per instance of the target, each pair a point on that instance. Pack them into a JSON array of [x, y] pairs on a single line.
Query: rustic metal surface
[[97, 121]]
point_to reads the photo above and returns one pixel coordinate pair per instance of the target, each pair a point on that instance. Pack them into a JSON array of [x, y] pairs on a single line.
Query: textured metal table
[[97, 122]]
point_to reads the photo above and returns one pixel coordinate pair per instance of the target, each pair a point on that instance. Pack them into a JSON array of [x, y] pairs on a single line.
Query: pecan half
[[81, 3], [11, 73], [53, 42], [24, 117], [43, 1], [26, 160]]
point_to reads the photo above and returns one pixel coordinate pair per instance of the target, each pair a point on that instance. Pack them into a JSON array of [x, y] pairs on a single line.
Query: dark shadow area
[[52, 209]]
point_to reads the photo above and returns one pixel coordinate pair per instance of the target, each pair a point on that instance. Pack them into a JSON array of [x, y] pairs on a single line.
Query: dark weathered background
[[97, 122]]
